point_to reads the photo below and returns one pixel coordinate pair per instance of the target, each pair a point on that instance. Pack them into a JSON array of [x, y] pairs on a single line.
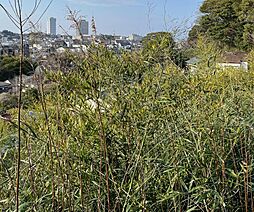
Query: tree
[[208, 54], [9, 67], [160, 46], [229, 22], [246, 16]]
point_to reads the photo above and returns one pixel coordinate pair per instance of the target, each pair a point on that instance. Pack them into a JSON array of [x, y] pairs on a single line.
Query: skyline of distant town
[[118, 17], [85, 28]]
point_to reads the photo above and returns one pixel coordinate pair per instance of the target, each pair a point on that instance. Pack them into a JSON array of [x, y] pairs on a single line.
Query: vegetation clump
[[123, 133], [228, 22], [9, 67]]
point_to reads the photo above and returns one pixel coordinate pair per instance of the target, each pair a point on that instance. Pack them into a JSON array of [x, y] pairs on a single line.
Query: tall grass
[[119, 133]]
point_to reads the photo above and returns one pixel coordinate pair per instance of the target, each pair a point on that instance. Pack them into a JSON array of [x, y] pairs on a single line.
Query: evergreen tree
[[229, 22]]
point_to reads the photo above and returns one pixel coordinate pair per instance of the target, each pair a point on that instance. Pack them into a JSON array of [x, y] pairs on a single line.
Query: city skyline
[[119, 16]]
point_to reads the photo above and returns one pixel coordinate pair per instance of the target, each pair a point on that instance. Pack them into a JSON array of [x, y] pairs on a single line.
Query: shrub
[[122, 134]]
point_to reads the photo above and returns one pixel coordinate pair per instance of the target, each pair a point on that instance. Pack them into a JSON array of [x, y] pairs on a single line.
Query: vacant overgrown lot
[[129, 133]]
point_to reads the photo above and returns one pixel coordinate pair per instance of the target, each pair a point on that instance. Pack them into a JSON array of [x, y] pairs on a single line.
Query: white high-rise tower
[[51, 30]]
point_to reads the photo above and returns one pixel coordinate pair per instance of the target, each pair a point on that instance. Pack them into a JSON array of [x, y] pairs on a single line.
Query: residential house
[[5, 87], [125, 44], [192, 63], [234, 60], [229, 60], [59, 43]]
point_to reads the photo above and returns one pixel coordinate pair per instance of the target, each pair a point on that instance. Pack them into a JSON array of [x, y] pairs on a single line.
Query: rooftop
[[234, 57]]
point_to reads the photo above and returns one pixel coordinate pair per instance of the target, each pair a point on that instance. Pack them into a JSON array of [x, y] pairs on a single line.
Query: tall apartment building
[[51, 30], [83, 28]]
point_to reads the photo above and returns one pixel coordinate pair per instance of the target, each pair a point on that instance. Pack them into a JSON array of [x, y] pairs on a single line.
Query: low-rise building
[[229, 60], [135, 38], [125, 44], [5, 87], [234, 60]]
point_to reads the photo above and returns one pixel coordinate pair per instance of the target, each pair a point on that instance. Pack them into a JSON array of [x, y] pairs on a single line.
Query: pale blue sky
[[119, 16]]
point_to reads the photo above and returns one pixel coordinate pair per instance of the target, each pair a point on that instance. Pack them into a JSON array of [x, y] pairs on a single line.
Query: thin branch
[[16, 7], [165, 14], [38, 20], [150, 7], [19, 22], [35, 8], [12, 19], [13, 9]]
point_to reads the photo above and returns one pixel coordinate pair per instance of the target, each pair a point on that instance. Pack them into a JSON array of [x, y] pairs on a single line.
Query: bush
[[250, 60], [122, 134], [161, 48]]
